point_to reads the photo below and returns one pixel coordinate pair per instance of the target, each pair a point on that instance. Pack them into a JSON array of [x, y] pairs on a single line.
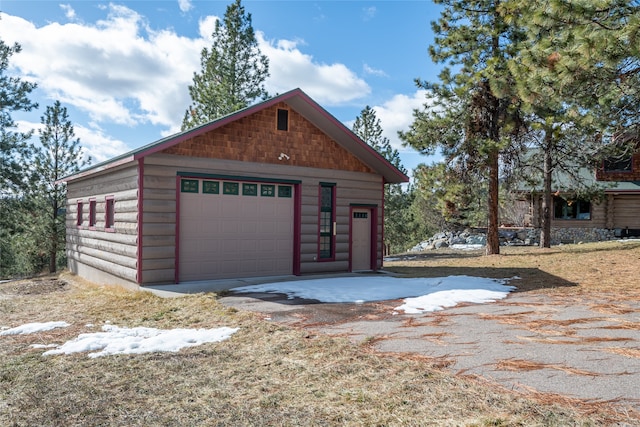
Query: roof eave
[[100, 167]]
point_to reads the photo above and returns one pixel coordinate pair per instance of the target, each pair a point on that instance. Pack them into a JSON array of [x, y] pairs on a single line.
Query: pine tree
[[369, 128], [591, 52], [471, 116], [233, 70], [568, 76], [456, 195], [59, 155], [14, 96]]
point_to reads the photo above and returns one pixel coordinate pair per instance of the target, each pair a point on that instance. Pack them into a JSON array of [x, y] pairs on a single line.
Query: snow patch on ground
[[116, 340], [421, 294], [31, 328]]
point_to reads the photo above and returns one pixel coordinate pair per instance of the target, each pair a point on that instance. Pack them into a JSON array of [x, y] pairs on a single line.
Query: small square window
[[189, 186], [249, 189], [284, 191], [232, 188], [211, 187], [268, 190]]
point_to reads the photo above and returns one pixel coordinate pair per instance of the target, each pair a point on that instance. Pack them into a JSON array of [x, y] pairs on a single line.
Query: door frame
[[373, 253]]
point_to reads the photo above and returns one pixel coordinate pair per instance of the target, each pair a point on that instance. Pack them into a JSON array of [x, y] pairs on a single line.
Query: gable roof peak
[[299, 101]]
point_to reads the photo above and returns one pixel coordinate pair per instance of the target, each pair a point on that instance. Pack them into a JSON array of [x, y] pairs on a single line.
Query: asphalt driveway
[[575, 346]]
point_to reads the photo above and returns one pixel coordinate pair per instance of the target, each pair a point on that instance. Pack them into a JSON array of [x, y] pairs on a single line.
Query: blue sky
[[122, 68]]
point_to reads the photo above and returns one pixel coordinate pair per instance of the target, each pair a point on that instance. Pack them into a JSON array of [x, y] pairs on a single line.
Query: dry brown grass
[[609, 268], [624, 351], [266, 374], [575, 340], [623, 324], [529, 365]]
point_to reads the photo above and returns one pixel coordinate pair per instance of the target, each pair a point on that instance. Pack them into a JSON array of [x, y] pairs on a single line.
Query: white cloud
[[95, 143], [396, 114], [99, 146], [68, 11], [120, 71], [373, 71], [328, 84], [369, 13], [206, 26], [117, 70], [185, 5]]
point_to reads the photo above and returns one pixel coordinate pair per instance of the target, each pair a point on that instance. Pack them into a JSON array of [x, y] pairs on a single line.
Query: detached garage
[[279, 188]]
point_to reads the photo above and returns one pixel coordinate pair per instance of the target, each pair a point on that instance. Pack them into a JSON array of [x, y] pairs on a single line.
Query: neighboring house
[[615, 215], [278, 188]]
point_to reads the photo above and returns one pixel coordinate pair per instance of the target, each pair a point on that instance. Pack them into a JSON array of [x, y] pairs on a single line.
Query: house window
[[249, 189], [283, 119], [285, 191], [189, 186], [210, 187], [80, 213], [617, 165], [327, 221], [232, 188], [109, 213], [92, 213], [571, 209], [267, 190]]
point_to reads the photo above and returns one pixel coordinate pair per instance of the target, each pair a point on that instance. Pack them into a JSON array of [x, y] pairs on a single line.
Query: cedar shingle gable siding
[[256, 139]]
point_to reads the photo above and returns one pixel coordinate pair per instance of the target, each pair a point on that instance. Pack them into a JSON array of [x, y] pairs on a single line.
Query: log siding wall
[[160, 191], [102, 254], [616, 211]]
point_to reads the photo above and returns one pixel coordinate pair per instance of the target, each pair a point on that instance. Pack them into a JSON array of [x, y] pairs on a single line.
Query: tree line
[[32, 200], [527, 89]]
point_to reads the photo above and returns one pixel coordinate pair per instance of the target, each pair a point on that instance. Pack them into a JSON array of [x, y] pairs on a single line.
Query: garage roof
[[298, 101]]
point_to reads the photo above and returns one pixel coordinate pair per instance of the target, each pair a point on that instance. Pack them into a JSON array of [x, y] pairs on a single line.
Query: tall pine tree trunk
[[53, 236], [493, 239], [545, 232]]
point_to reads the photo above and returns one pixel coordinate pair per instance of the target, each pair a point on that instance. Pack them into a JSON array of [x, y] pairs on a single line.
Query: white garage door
[[235, 229]]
